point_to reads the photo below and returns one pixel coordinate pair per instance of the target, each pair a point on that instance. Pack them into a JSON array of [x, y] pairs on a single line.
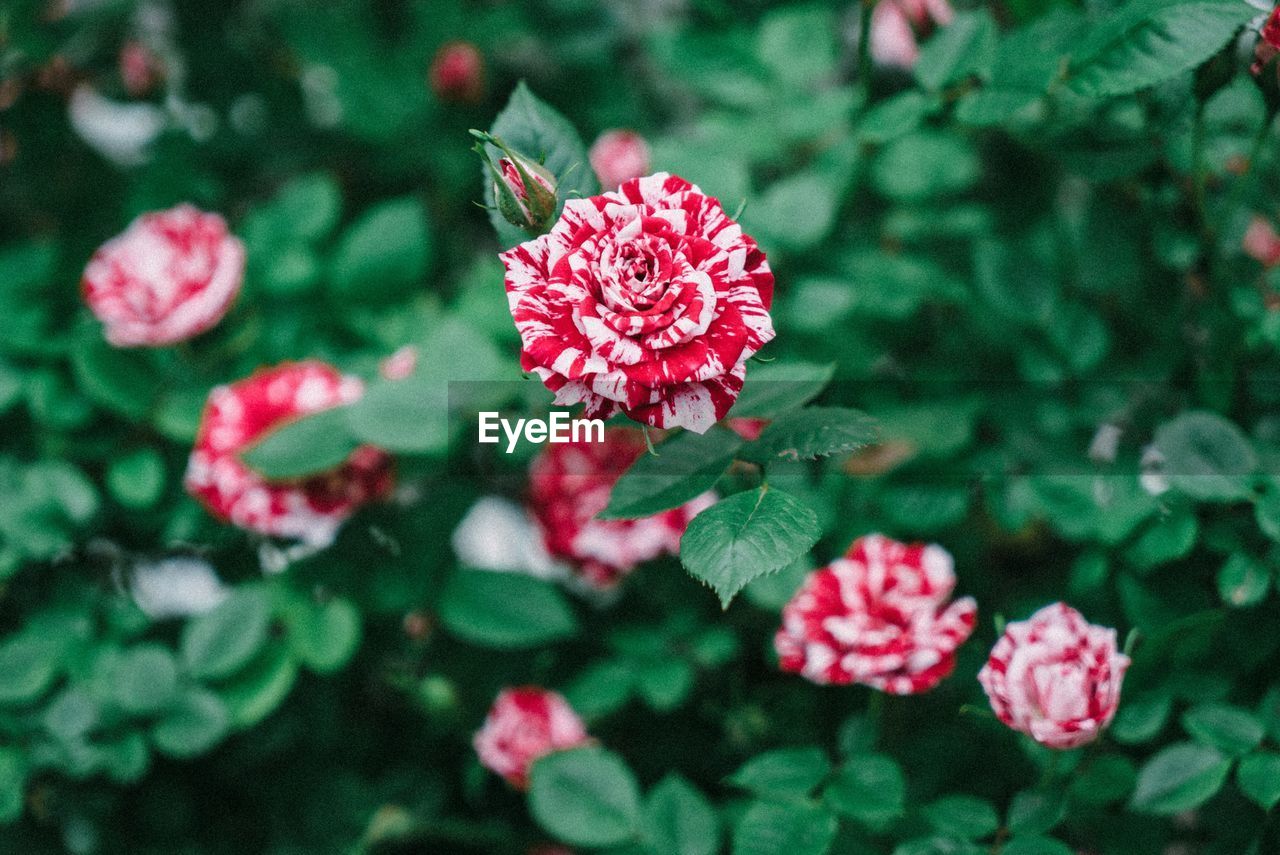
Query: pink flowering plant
[[799, 428]]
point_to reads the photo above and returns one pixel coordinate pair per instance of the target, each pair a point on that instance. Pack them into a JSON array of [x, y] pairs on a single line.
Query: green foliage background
[[1036, 233]]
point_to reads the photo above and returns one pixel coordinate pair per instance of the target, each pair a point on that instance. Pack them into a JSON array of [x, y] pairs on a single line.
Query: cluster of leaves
[[1021, 260]]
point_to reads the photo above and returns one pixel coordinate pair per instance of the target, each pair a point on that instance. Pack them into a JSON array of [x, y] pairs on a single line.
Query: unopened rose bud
[[457, 73], [619, 156], [524, 191], [140, 69]]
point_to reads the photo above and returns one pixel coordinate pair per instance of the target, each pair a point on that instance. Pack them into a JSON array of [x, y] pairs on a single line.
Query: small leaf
[[195, 723], [219, 642], [1227, 728], [323, 636], [678, 820], [784, 828], [1178, 778], [1036, 846], [1243, 581], [29, 663], [783, 772], [257, 690], [146, 679], [1259, 779], [1035, 811], [136, 479], [811, 433], [960, 816], [505, 610], [746, 536], [869, 789], [13, 781], [383, 254], [965, 46], [312, 444], [778, 387], [585, 797], [1206, 457], [686, 466]]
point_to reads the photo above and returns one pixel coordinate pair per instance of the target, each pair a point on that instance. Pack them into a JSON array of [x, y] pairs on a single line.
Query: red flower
[[748, 429], [896, 26], [569, 483], [238, 415], [457, 73], [649, 300], [1261, 242], [523, 725], [170, 276], [1268, 41], [879, 616], [1055, 677], [140, 68], [618, 156]]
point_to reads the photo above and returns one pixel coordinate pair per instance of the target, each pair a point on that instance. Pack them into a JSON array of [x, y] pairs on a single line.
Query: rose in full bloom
[[522, 725], [878, 616], [170, 276], [647, 300], [897, 25], [618, 156], [1055, 677], [457, 73], [243, 413], [569, 483]]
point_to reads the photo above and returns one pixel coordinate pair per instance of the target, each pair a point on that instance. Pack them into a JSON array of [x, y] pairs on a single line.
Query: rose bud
[[618, 156], [523, 725], [399, 365], [569, 483], [1055, 677], [879, 616], [457, 73], [1261, 242], [140, 69], [896, 26], [1268, 42], [242, 414], [748, 429], [648, 300], [168, 277]]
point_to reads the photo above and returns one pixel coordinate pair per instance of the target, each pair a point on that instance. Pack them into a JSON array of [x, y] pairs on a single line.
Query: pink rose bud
[[1261, 242], [239, 415], [526, 193], [400, 364], [748, 429], [897, 25], [140, 69], [457, 73], [569, 483], [1055, 677], [879, 616], [523, 725], [648, 300], [1268, 42], [618, 156], [170, 276]]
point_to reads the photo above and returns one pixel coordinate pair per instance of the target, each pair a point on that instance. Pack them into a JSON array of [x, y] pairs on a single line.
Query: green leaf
[[600, 689], [146, 679], [322, 635], [383, 254], [1035, 812], [896, 116], [939, 846], [797, 44], [1206, 457], [1036, 846], [678, 820], [783, 772], [813, 432], [925, 165], [1149, 41], [746, 536], [1104, 780], [1141, 718], [533, 128], [136, 479], [309, 206], [1259, 779], [664, 683], [685, 466], [966, 817], [1180, 777], [1227, 728], [29, 663], [13, 781], [505, 610], [585, 797], [310, 445], [773, 388], [196, 722], [965, 46], [796, 212], [122, 379], [219, 642], [1243, 581], [870, 789], [256, 691], [784, 828]]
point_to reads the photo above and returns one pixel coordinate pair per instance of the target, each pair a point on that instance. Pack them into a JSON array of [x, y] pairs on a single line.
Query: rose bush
[[263, 588]]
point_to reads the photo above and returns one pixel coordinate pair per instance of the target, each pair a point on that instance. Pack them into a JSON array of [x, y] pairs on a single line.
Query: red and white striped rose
[[569, 483], [1055, 677], [648, 300], [879, 616], [168, 277], [523, 725], [240, 414]]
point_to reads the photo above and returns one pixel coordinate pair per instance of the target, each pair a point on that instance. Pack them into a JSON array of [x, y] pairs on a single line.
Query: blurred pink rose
[[897, 25], [618, 156], [524, 724]]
